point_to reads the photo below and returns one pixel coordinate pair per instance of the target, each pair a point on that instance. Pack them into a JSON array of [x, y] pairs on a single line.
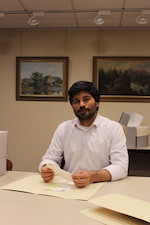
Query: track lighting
[[33, 21], [141, 19], [98, 20]]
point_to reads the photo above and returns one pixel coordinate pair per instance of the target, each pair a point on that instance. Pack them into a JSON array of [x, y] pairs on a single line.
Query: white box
[[3, 151], [2, 166], [3, 143], [136, 135]]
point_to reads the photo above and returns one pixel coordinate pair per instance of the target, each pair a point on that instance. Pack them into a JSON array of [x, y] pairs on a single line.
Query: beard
[[84, 114]]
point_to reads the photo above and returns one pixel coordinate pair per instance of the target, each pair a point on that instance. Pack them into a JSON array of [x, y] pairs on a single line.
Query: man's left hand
[[82, 178]]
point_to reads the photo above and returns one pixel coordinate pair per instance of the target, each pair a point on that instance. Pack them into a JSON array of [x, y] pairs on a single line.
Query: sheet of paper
[[61, 173], [120, 204], [60, 184], [35, 184]]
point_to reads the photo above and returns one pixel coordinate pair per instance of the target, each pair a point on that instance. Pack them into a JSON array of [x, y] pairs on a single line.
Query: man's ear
[[97, 104]]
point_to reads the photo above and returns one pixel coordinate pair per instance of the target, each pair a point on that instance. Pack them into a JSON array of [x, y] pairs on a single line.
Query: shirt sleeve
[[54, 153], [118, 167]]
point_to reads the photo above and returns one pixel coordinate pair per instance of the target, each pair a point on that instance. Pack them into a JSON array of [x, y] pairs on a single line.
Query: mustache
[[82, 109]]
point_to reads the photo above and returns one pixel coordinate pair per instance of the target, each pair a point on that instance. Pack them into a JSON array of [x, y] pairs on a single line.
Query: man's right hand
[[47, 173]]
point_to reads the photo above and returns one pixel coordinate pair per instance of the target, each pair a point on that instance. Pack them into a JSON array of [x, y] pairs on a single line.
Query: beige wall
[[31, 123]]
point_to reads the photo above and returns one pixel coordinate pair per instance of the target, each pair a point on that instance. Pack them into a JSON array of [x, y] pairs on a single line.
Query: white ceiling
[[72, 14]]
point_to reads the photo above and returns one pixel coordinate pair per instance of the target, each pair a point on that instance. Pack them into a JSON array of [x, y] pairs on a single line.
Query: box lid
[[131, 119]]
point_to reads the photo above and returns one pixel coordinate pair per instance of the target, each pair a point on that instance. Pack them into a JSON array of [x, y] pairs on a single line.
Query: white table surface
[[18, 208]]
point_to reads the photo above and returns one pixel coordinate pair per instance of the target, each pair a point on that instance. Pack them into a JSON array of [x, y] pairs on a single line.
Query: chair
[[62, 162], [9, 165]]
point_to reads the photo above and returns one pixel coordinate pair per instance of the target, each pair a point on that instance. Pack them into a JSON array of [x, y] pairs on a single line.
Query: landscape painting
[[124, 79], [41, 78]]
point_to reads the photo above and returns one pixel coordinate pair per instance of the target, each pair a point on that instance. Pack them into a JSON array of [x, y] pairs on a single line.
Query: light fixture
[[33, 21], [141, 19], [98, 20]]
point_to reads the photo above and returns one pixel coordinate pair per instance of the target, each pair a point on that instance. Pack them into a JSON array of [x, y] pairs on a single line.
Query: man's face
[[84, 105]]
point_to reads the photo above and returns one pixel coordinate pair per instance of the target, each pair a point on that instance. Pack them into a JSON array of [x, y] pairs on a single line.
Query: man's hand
[[47, 173], [82, 178]]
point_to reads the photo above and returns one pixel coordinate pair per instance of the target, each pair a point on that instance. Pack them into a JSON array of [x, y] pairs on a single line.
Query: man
[[93, 147]]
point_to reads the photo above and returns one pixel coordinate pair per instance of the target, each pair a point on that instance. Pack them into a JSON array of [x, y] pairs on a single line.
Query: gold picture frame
[[42, 78], [122, 79]]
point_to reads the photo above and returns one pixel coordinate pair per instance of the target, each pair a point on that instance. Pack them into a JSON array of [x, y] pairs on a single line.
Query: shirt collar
[[95, 123]]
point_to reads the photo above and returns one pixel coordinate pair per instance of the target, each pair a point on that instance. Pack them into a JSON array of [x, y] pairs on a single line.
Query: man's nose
[[82, 103]]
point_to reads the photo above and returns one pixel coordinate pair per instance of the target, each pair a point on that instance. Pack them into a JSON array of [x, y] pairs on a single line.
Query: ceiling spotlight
[[33, 21], [141, 19], [98, 20]]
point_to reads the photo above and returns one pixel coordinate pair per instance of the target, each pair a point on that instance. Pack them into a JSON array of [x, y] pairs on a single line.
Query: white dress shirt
[[99, 146]]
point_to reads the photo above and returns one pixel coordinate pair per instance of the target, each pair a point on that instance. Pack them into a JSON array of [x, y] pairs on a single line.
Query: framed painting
[[41, 78], [122, 79]]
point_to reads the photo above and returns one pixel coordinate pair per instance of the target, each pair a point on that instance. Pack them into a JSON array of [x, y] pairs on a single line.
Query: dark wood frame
[[49, 87], [138, 62]]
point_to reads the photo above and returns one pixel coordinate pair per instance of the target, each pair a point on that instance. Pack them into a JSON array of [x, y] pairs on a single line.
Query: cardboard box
[[136, 135], [3, 151]]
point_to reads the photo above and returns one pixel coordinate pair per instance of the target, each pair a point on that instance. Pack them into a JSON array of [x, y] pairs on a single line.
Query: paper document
[[59, 172], [116, 209], [60, 184], [58, 187]]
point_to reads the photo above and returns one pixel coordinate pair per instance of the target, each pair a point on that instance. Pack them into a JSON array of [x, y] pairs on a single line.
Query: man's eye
[[86, 99], [75, 101]]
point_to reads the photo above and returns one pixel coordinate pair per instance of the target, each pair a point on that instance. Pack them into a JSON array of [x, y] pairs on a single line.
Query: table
[[139, 161], [18, 208]]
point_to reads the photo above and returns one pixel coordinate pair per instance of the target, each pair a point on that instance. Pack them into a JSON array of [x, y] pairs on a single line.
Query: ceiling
[[72, 14]]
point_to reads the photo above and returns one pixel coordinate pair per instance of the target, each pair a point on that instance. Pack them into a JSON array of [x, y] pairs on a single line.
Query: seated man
[[93, 147]]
